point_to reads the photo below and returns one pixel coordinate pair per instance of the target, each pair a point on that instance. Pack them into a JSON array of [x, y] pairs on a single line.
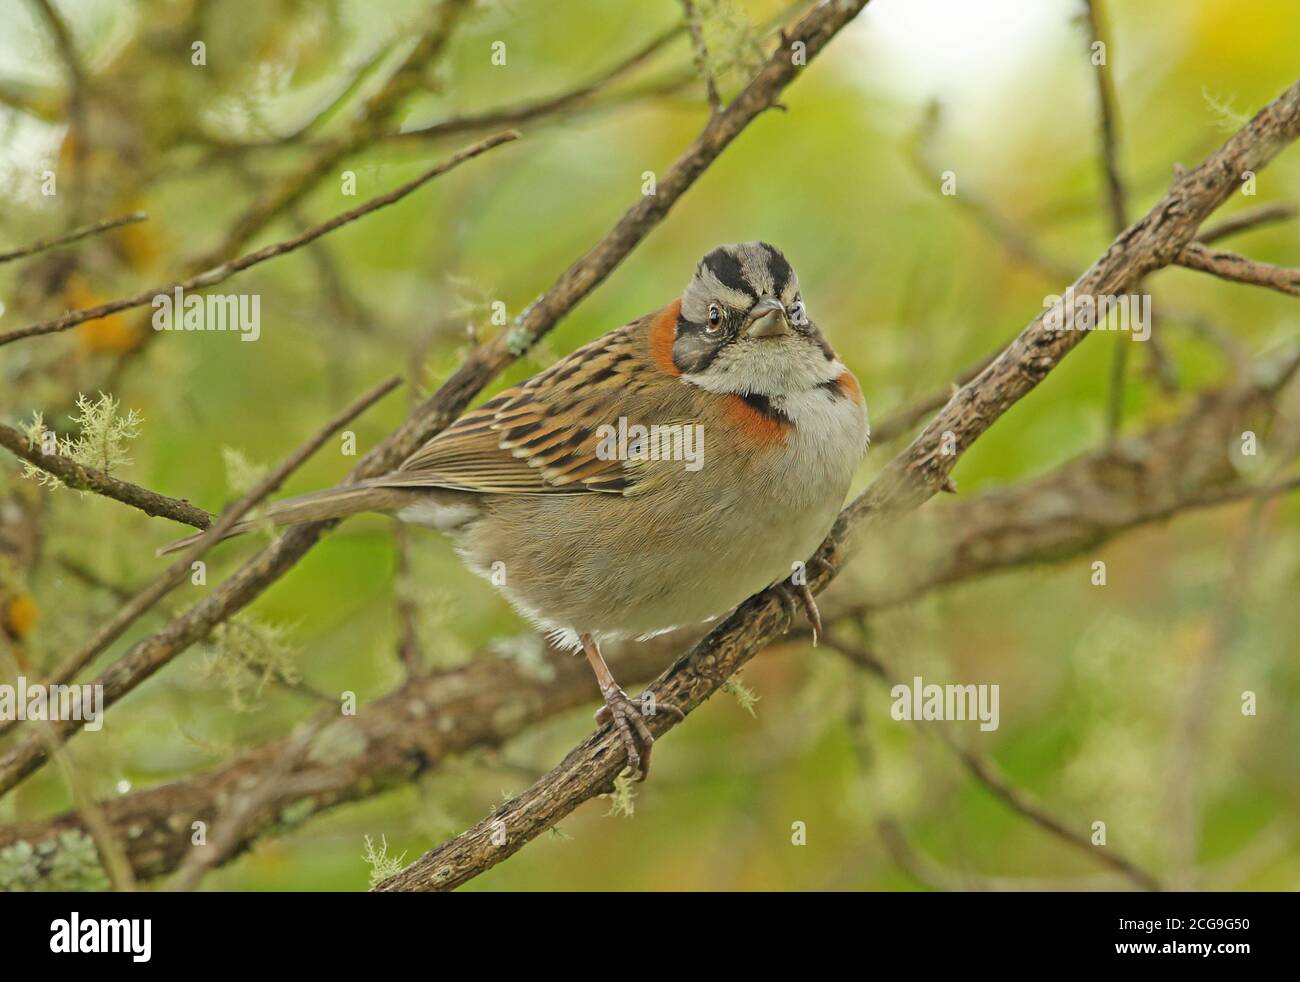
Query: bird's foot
[[789, 593], [628, 716]]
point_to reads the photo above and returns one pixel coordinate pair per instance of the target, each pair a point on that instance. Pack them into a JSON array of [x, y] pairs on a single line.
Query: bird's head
[[743, 327]]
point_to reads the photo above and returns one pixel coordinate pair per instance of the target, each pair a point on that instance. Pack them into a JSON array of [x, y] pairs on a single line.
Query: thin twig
[[41, 245], [1108, 122], [222, 146], [1199, 699], [1281, 211], [92, 579], [581, 96], [701, 51], [218, 274], [1116, 203], [985, 772], [408, 634], [368, 127], [76, 100], [1239, 269], [108, 843], [524, 112], [903, 419], [107, 839]]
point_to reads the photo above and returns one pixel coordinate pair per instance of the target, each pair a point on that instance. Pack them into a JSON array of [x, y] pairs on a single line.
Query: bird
[[652, 479]]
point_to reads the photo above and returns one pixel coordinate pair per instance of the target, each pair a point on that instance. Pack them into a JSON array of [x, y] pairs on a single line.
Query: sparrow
[[653, 479]]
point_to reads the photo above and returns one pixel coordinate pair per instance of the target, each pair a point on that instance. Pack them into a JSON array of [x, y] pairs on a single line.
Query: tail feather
[[315, 507]]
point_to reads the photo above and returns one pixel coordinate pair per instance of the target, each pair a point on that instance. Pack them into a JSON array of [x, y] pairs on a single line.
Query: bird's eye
[[715, 316], [797, 313]]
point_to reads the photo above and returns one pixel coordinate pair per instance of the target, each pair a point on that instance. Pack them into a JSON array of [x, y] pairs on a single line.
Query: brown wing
[[540, 437]]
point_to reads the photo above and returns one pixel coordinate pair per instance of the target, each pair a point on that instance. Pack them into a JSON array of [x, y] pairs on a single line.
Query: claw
[[811, 612], [603, 714], [637, 739], [788, 591]]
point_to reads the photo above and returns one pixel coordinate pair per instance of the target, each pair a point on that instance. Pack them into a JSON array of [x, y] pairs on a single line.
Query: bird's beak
[[767, 320]]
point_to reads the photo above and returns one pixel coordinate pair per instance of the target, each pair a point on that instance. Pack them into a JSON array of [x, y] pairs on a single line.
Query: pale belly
[[623, 568]]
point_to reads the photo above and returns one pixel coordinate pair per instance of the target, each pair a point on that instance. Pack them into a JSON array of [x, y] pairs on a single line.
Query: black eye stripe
[[694, 348]]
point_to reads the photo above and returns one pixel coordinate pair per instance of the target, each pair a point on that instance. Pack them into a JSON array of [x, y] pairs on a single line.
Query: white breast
[[830, 434]]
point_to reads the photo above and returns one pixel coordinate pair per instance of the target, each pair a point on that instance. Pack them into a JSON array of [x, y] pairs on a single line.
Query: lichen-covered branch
[[175, 574], [84, 478]]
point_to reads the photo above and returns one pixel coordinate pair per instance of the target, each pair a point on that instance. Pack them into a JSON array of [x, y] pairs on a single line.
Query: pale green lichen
[[1227, 118], [298, 812], [241, 473], [35, 432], [733, 41], [433, 611], [101, 440], [621, 799], [470, 299], [382, 865], [339, 742], [246, 655], [66, 863], [75, 864], [518, 340], [528, 652], [745, 696], [20, 869]]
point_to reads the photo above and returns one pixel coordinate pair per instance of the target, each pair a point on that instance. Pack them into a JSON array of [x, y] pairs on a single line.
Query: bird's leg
[[626, 713]]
